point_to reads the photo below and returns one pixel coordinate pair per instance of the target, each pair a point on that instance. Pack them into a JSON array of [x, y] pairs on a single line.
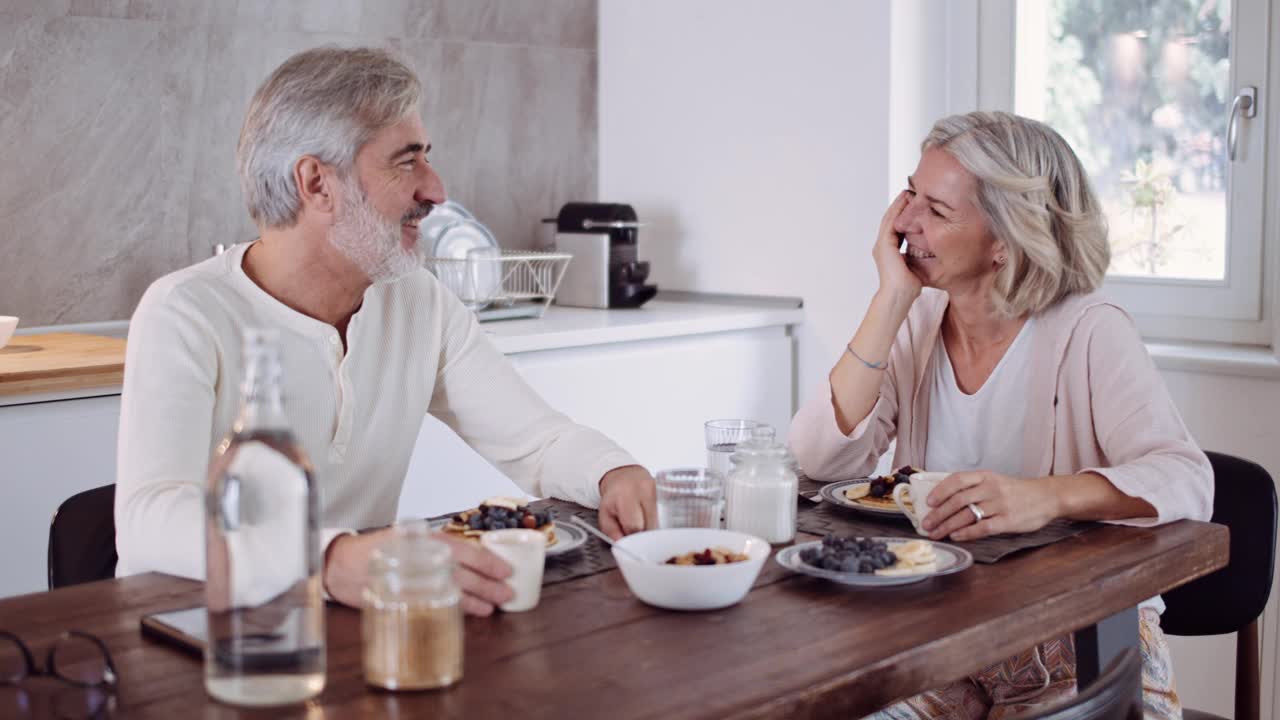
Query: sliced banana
[[503, 502], [914, 552], [855, 492], [898, 569]]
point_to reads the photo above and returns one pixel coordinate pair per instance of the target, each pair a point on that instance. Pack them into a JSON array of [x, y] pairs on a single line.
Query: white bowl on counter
[[8, 324], [690, 587]]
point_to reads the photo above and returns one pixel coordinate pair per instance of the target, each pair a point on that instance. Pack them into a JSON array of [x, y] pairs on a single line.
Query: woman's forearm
[[854, 385], [1089, 496]]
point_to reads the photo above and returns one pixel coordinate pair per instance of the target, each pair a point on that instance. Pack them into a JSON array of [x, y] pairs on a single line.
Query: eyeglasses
[[76, 658]]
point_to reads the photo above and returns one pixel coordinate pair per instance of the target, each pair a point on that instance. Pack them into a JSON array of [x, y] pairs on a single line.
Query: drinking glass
[[723, 437], [481, 277], [690, 497]]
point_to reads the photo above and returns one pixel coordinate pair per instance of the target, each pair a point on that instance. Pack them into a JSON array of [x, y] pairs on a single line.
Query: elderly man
[[334, 168]]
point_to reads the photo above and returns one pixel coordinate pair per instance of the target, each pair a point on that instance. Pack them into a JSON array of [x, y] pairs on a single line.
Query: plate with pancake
[[503, 512], [872, 495], [855, 495], [901, 561]]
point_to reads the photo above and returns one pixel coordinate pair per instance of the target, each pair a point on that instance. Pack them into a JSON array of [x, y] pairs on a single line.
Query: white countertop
[[563, 327], [560, 327]]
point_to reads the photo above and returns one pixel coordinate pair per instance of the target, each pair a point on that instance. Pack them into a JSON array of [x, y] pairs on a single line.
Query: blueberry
[[810, 555], [476, 522], [879, 488], [849, 564], [902, 478], [866, 566], [830, 563], [512, 522]]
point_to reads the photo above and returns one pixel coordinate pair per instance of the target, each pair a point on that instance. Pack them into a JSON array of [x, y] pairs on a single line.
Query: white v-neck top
[[982, 431], [411, 349]]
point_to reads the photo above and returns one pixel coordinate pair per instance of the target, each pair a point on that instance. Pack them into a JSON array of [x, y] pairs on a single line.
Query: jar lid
[[411, 552], [761, 446]]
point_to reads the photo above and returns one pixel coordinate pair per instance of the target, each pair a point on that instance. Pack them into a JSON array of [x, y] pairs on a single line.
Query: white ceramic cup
[[921, 484], [526, 552]]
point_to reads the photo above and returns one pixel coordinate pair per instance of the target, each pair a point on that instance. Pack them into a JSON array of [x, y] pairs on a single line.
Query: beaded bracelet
[[874, 366]]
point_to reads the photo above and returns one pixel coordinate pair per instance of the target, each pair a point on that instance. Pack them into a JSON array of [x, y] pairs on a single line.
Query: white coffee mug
[[525, 551], [922, 483]]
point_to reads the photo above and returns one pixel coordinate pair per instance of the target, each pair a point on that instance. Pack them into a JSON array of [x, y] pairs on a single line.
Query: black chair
[[82, 538], [1116, 694], [1231, 599]]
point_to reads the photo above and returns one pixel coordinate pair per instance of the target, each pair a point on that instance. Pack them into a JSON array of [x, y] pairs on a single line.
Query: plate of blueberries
[[871, 561]]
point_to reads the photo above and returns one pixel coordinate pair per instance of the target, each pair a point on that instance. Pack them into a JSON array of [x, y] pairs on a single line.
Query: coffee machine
[[605, 271]]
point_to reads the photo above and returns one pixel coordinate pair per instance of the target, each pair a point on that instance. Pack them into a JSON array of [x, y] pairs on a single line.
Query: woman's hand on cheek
[[891, 265], [1007, 505]]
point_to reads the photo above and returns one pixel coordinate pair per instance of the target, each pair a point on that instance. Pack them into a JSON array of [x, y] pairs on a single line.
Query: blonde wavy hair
[[1038, 201]]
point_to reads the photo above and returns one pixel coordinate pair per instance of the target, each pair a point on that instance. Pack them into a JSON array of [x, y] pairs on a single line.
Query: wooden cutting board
[[57, 362]]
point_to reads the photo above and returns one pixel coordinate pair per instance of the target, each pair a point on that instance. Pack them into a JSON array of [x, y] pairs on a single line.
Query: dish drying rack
[[513, 284]]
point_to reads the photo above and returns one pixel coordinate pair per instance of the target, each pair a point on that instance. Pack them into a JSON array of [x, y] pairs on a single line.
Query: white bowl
[[690, 587], [8, 324]]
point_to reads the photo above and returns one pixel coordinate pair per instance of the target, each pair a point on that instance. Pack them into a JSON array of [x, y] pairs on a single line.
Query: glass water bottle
[[263, 591]]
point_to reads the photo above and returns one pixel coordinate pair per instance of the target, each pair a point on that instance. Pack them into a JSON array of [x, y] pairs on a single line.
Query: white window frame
[[1242, 309]]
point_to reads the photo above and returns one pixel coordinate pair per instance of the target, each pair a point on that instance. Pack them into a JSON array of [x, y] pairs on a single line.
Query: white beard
[[369, 241]]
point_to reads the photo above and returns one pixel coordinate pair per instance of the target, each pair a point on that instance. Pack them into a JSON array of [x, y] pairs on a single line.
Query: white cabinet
[[49, 452], [650, 396]]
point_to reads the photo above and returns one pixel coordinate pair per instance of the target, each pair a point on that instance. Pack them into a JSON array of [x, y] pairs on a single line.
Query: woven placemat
[[590, 558], [824, 517]]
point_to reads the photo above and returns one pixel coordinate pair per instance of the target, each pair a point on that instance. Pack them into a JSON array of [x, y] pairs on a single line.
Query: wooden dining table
[[795, 647]]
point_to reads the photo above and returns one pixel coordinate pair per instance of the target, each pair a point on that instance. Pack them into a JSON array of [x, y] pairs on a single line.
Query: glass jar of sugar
[[411, 621], [761, 490]]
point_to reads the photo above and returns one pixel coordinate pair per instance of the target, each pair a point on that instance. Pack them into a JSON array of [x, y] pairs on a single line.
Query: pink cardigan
[[1095, 402]]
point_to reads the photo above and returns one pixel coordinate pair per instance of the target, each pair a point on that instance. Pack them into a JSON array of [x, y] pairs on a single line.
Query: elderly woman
[[986, 352]]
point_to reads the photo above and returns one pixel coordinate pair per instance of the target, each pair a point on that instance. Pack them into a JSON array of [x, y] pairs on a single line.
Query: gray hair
[[1039, 202], [327, 103]]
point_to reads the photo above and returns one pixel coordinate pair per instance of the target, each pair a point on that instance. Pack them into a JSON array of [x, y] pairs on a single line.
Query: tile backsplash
[[119, 120]]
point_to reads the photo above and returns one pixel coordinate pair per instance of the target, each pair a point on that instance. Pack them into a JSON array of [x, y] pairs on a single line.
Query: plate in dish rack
[[440, 217]]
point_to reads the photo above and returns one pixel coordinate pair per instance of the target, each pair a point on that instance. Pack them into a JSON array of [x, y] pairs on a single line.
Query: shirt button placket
[[338, 449]]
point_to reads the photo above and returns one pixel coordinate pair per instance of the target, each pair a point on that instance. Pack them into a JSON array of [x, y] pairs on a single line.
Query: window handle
[[1245, 105]]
